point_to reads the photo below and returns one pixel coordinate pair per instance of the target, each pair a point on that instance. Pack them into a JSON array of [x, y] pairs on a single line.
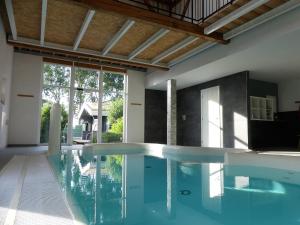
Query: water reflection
[[93, 185], [138, 189], [171, 187], [212, 186]]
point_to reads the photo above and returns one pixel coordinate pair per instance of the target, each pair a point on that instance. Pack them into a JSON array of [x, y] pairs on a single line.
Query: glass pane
[[57, 75], [51, 95], [113, 86], [112, 120], [87, 79], [84, 97], [85, 116], [112, 108], [56, 95]]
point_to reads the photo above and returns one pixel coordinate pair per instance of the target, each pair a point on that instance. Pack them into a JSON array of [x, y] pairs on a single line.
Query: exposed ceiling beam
[[191, 53], [174, 49], [284, 8], [155, 37], [43, 21], [54, 49], [152, 18], [83, 64], [11, 18], [118, 36], [88, 18], [248, 7]]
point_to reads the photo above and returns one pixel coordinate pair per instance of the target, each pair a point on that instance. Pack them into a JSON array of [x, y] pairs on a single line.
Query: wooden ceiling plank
[[234, 15], [43, 21], [89, 16], [128, 24], [224, 13], [152, 17], [155, 37], [249, 15], [261, 10], [11, 18], [175, 48]]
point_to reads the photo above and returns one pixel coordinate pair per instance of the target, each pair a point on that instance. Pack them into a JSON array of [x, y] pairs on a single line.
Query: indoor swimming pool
[[144, 189]]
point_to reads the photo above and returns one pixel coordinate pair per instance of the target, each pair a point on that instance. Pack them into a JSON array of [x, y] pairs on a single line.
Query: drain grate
[[185, 192]]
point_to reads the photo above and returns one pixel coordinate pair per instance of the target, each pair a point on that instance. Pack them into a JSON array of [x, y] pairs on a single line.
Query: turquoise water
[[145, 190]]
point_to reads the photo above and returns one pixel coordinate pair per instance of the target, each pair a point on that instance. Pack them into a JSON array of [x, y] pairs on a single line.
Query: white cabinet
[[261, 108]]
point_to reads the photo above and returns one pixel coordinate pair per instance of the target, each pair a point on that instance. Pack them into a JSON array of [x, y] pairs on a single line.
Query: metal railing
[[194, 11]]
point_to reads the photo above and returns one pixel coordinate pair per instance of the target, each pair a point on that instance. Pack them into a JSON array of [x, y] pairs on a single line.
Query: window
[[79, 91]]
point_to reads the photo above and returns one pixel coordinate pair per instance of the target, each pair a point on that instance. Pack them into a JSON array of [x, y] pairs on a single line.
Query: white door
[[212, 136], [211, 118]]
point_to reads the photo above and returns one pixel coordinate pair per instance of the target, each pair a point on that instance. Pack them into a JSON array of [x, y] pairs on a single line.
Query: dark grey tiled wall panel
[[233, 97], [155, 116], [262, 89]]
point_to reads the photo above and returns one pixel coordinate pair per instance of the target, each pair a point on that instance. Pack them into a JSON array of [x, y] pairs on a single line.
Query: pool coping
[[231, 156]]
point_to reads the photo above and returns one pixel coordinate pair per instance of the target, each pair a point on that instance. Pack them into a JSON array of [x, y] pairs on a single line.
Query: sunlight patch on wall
[[240, 131]]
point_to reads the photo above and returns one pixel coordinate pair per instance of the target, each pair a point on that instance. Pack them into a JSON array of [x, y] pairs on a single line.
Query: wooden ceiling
[[65, 18]]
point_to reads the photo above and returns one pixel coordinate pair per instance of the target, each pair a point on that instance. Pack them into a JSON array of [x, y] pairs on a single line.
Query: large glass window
[[83, 103]]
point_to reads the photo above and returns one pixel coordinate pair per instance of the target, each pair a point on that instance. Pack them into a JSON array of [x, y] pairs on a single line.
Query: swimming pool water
[[145, 190]]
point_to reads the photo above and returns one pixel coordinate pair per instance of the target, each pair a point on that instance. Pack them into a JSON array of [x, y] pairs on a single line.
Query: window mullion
[[100, 96], [71, 107]]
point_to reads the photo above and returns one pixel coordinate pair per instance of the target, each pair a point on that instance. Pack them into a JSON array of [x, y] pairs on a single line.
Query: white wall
[[6, 60], [24, 123], [135, 111], [288, 93]]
